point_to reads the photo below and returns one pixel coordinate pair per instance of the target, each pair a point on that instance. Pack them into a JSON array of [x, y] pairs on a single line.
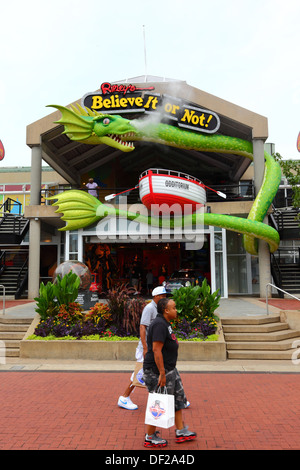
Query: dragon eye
[[106, 121]]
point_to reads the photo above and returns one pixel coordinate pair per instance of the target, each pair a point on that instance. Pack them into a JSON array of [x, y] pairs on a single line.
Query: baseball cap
[[159, 291]]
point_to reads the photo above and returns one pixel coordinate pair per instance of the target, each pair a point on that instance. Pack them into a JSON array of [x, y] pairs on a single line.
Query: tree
[[291, 170]]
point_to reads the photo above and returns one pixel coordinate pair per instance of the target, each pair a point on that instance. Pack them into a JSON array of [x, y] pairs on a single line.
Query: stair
[[259, 338], [290, 275], [12, 331], [13, 229], [12, 261], [9, 279]]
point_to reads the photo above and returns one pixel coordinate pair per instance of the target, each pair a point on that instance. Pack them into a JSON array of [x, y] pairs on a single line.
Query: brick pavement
[[77, 410], [284, 304]]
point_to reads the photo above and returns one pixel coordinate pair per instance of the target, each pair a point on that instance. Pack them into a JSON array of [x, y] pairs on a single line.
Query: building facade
[[111, 249]]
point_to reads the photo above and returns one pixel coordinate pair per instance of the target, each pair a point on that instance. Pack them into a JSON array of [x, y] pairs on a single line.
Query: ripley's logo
[[108, 88], [156, 410]]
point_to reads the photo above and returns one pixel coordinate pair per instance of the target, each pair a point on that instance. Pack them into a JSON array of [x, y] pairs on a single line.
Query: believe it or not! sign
[[129, 99], [183, 114]]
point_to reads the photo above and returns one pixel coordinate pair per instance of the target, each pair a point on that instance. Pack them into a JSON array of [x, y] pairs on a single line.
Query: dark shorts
[[173, 384]]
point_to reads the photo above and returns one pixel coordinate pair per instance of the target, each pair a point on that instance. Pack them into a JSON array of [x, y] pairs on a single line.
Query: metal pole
[[145, 57]]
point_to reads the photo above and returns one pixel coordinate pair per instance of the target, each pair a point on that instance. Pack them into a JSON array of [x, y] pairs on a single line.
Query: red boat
[[183, 192]]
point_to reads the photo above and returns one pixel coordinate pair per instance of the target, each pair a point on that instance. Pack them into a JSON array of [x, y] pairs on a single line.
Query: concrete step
[[12, 348], [268, 336], [281, 345], [13, 327], [12, 331], [262, 355], [260, 338], [15, 320], [12, 352], [260, 328], [259, 320], [8, 335]]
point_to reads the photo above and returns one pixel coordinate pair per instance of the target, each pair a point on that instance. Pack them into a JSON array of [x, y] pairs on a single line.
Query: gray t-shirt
[[148, 315]]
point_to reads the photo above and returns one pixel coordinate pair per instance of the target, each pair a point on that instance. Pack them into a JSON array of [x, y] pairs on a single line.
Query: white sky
[[54, 52]]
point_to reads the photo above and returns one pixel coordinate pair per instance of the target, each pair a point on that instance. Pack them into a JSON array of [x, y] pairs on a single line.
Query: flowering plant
[[70, 313], [186, 330], [97, 312]]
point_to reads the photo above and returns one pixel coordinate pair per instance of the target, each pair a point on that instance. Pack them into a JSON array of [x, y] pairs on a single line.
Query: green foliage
[[50, 338], [46, 303], [207, 303], [291, 170], [52, 296], [196, 303], [186, 298], [105, 337], [66, 288]]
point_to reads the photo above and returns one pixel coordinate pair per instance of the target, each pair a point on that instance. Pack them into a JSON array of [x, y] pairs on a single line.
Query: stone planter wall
[[114, 350]]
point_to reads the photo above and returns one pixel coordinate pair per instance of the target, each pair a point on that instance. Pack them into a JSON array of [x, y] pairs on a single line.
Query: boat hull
[[171, 193]]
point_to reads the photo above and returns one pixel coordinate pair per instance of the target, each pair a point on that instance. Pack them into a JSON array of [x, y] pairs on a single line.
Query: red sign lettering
[[108, 88]]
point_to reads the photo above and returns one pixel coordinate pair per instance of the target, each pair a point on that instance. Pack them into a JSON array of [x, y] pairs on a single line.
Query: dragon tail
[[79, 208]]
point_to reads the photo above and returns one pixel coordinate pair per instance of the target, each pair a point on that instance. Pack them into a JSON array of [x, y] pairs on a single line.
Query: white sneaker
[[125, 402]]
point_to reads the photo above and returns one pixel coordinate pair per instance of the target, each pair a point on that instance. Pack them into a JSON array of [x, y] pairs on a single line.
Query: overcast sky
[[243, 51]]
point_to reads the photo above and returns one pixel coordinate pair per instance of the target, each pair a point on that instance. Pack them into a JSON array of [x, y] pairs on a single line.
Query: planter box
[[114, 350]]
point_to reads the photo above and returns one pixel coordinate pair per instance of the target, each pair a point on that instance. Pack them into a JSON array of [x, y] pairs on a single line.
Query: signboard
[[87, 299], [118, 99]]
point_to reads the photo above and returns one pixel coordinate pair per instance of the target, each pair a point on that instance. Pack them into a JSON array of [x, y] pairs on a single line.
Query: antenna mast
[[145, 56]]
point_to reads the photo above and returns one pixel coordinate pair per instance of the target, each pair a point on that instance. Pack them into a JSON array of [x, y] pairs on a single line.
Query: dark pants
[[173, 384]]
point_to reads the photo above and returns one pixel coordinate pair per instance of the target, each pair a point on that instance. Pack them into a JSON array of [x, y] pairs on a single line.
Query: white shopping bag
[[160, 410]]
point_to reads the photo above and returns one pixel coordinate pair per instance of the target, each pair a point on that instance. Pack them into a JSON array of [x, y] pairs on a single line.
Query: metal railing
[[234, 192], [267, 295], [8, 205]]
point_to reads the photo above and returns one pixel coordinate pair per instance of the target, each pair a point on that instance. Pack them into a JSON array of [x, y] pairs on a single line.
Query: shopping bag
[[160, 410], [138, 372]]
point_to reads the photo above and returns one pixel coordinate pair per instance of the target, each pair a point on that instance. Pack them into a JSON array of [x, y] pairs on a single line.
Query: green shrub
[[66, 288], [207, 303], [186, 298], [52, 296], [45, 303], [196, 303]]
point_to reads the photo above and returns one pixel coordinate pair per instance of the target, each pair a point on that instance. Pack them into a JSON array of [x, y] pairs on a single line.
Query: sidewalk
[[78, 411], [72, 405]]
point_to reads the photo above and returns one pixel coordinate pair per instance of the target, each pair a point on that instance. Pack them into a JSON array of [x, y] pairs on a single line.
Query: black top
[[161, 330]]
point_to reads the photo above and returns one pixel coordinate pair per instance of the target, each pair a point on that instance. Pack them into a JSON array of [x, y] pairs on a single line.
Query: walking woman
[[160, 370]]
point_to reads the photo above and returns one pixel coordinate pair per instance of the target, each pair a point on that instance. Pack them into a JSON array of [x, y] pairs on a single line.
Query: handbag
[[137, 379], [160, 409]]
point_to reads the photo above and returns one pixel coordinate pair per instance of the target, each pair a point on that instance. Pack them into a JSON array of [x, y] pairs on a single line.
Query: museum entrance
[[143, 263], [111, 258]]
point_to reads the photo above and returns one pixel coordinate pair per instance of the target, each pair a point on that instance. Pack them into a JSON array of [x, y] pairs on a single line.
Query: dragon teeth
[[120, 141]]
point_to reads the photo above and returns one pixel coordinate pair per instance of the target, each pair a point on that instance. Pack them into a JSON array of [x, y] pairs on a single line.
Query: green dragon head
[[90, 127]]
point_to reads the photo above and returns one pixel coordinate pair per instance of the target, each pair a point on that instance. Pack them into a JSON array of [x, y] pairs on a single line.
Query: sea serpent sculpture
[[80, 209]]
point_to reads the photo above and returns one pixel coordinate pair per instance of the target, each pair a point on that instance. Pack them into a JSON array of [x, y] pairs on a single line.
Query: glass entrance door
[[218, 261]]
